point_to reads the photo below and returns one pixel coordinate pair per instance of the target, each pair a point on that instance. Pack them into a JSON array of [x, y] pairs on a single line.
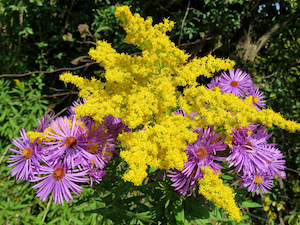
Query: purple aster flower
[[100, 144], [257, 97], [215, 82], [70, 141], [59, 180], [251, 152], [27, 159], [202, 153], [277, 163], [238, 82], [259, 181], [96, 175], [182, 183], [46, 120]]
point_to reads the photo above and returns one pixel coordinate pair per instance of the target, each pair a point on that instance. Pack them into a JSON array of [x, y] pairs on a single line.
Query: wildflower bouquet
[[139, 115]]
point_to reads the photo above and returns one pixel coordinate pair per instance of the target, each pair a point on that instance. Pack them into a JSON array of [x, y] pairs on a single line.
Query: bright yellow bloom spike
[[160, 146], [40, 135], [228, 111], [213, 189]]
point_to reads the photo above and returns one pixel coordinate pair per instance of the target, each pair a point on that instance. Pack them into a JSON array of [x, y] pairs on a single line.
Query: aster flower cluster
[[64, 152], [253, 157], [257, 161]]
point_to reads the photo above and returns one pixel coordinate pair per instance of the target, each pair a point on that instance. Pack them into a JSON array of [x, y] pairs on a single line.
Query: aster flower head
[[257, 97], [59, 179], [69, 141], [258, 181], [277, 163], [26, 160], [96, 175], [100, 144], [214, 82], [180, 112], [251, 153], [202, 153], [237, 83]]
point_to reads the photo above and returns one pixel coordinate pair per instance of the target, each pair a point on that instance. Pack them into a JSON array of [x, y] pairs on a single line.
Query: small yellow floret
[[32, 135]]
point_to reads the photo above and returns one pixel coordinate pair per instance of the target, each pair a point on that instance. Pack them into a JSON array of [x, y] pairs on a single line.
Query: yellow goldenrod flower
[[213, 189]]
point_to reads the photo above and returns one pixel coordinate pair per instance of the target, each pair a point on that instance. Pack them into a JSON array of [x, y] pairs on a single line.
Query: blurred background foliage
[[41, 39]]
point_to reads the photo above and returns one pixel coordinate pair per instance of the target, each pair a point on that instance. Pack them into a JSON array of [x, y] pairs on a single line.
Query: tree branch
[[276, 28], [57, 70], [199, 46], [183, 20]]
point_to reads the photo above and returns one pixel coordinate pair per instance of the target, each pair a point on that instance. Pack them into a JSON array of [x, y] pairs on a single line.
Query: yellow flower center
[[70, 142], [93, 148], [258, 179], [234, 84], [27, 153], [59, 173], [255, 100], [202, 152]]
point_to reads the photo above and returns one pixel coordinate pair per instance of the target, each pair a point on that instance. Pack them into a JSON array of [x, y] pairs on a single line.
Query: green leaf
[[227, 177], [167, 203], [144, 216], [250, 204], [3, 115], [179, 216], [291, 218]]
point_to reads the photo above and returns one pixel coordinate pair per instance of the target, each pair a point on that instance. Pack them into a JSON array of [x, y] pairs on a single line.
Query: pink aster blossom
[[70, 142], [257, 97], [74, 105], [115, 126], [250, 152], [100, 144], [277, 164], [181, 112], [27, 157], [215, 82], [58, 179], [259, 181], [237, 83], [46, 120], [201, 153], [96, 175]]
